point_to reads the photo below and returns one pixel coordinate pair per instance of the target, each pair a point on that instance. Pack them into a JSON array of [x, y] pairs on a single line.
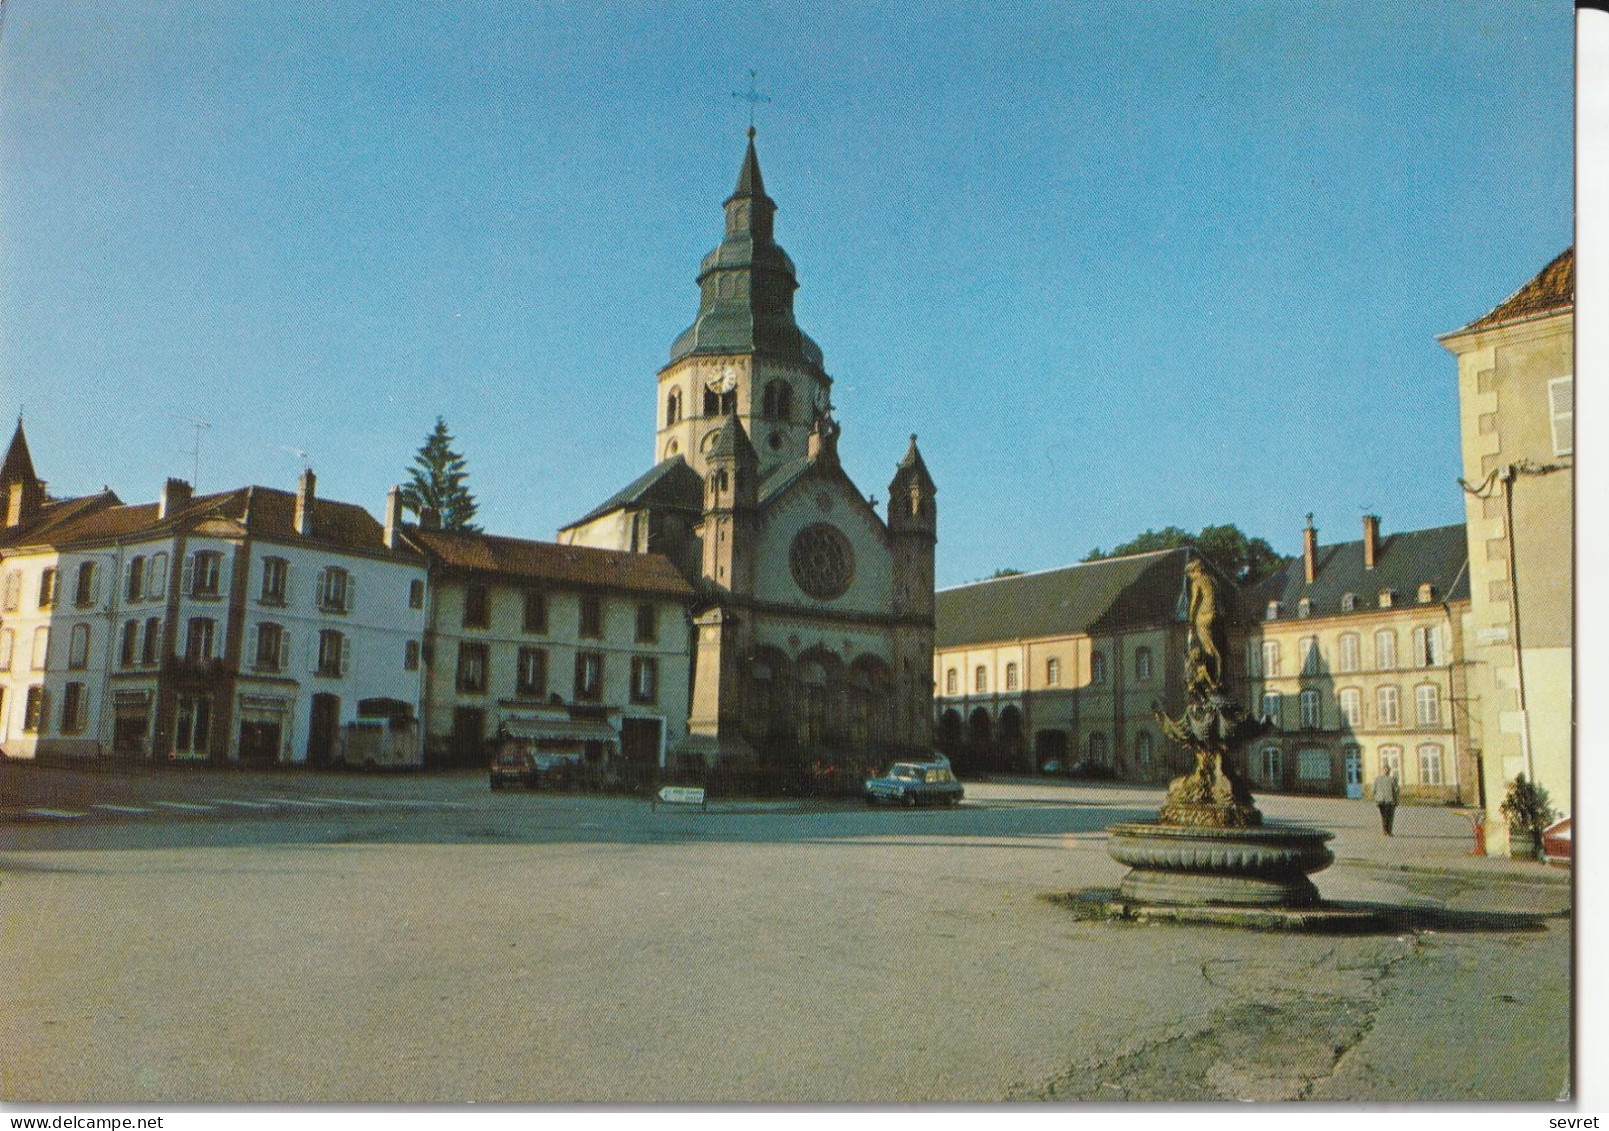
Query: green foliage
[[1526, 807], [1244, 559], [437, 480], [1007, 572]]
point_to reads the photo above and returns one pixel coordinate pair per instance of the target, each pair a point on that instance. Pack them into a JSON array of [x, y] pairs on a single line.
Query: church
[[813, 622]]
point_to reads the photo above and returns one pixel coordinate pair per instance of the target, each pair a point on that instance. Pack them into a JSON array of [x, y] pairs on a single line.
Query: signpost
[[682, 795]]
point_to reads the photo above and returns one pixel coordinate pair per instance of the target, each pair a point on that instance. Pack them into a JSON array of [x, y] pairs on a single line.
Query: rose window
[[823, 561]]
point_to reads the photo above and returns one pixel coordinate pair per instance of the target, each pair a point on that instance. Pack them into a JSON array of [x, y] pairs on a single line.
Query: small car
[[915, 783], [512, 766], [1556, 842]]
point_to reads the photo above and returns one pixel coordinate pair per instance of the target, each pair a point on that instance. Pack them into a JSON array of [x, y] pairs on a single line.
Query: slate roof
[[669, 483], [1439, 555], [1091, 597], [19, 465], [1553, 289], [521, 558]]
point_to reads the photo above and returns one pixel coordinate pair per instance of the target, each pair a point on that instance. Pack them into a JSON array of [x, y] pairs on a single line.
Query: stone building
[[582, 653], [814, 617], [1064, 666], [255, 625], [1354, 652], [1516, 393]]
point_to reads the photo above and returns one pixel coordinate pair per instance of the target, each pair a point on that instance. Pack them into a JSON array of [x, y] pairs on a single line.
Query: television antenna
[[307, 464], [195, 453]]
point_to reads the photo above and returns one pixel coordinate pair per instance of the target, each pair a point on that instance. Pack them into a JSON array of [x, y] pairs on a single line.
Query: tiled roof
[[1553, 289], [552, 562], [670, 483], [1091, 597], [54, 515], [1439, 555]]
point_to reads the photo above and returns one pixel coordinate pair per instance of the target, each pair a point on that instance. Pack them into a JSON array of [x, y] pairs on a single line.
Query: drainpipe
[[1507, 477]]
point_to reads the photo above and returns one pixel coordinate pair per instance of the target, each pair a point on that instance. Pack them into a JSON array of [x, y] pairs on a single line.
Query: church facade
[[813, 622]]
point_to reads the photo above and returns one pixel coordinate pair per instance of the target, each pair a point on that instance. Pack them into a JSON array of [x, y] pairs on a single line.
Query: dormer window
[[1349, 602], [1388, 598], [1304, 607], [1273, 611], [1427, 593]]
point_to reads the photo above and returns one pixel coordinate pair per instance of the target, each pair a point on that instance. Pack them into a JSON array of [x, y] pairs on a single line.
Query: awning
[[561, 730]]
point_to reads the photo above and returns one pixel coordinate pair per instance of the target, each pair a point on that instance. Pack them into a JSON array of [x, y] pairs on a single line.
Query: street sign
[[682, 795]]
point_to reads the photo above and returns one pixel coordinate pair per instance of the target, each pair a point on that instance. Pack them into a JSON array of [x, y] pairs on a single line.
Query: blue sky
[[1120, 266]]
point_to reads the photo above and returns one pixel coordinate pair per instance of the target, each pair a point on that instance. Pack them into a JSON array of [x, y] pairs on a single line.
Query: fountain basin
[[1194, 865]]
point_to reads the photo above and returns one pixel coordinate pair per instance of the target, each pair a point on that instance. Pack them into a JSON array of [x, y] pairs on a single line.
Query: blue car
[[915, 783]]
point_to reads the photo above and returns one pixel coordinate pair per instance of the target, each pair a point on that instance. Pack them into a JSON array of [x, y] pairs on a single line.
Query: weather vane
[[752, 96]]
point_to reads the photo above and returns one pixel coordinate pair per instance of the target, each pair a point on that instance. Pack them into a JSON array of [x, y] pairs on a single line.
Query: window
[[472, 668], [134, 579], [1430, 764], [13, 590], [1349, 602], [47, 588], [778, 401], [78, 647], [1561, 407], [592, 616], [1142, 665], [1427, 704], [1270, 657], [335, 590], [41, 653], [1388, 598], [1097, 749], [1053, 672], [1391, 761], [84, 591], [193, 725], [157, 584], [673, 408], [536, 611], [477, 605], [1097, 668], [198, 639], [644, 679], [1307, 649], [33, 709], [74, 708], [1273, 702], [647, 623], [588, 675], [1304, 607], [1272, 612], [980, 679], [1310, 709], [1144, 748], [276, 571], [1351, 700], [1427, 647], [1427, 593], [206, 567], [1388, 706], [410, 656], [416, 594], [1313, 765], [153, 641], [1011, 677], [331, 653], [532, 675], [270, 643], [1385, 650], [952, 682], [8, 644], [1272, 766], [1350, 652]]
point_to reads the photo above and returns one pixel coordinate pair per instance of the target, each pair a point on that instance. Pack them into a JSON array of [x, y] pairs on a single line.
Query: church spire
[[19, 464], [746, 284], [21, 492]]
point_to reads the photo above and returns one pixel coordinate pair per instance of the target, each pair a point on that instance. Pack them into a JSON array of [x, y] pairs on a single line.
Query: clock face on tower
[[822, 561]]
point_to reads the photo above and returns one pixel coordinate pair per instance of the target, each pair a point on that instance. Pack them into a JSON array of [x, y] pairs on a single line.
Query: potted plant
[[1527, 812]]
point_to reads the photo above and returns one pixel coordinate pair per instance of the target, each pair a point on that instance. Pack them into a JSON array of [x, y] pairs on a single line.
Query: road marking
[[187, 806], [291, 801], [119, 808], [342, 801], [59, 814], [240, 804]]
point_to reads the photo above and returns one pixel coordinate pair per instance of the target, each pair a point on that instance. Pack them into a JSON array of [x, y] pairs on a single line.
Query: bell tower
[[913, 520], [744, 356]]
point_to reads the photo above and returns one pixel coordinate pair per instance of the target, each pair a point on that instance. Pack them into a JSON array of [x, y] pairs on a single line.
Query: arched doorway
[[951, 738], [1012, 753]]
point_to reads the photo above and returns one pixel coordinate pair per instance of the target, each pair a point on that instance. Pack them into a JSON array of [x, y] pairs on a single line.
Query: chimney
[[1310, 550], [304, 503], [393, 516], [1371, 540], [429, 518], [175, 493]]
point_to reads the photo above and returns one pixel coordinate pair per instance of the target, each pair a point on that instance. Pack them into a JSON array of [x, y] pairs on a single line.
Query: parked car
[[1556, 842], [915, 783], [512, 766]]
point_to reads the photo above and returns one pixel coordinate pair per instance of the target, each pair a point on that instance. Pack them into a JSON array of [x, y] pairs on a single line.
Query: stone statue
[[1209, 645]]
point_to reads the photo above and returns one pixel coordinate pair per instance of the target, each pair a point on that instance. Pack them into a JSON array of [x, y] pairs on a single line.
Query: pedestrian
[[1386, 791]]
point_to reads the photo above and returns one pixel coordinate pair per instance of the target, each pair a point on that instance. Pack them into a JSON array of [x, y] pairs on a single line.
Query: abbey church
[[814, 615]]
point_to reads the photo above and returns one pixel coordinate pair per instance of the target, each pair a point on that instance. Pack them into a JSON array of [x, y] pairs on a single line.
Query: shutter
[[95, 580], [321, 591], [312, 652], [156, 577], [284, 659], [290, 584], [251, 646], [1419, 657], [44, 709], [346, 654], [128, 579], [351, 591], [189, 575]]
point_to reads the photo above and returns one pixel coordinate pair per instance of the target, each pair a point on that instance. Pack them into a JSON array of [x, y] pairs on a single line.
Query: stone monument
[[1209, 846]]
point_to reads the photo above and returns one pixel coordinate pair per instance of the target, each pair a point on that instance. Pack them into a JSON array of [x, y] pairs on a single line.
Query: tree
[[1246, 560], [437, 481]]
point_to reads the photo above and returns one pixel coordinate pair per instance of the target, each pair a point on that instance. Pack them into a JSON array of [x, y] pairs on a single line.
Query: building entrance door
[[321, 729], [1354, 771], [259, 743], [469, 727], [639, 741]]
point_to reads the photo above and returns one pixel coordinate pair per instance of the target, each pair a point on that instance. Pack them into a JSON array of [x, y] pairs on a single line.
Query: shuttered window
[[1561, 407]]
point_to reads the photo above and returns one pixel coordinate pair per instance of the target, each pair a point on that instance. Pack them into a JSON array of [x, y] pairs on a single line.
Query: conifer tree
[[437, 481]]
